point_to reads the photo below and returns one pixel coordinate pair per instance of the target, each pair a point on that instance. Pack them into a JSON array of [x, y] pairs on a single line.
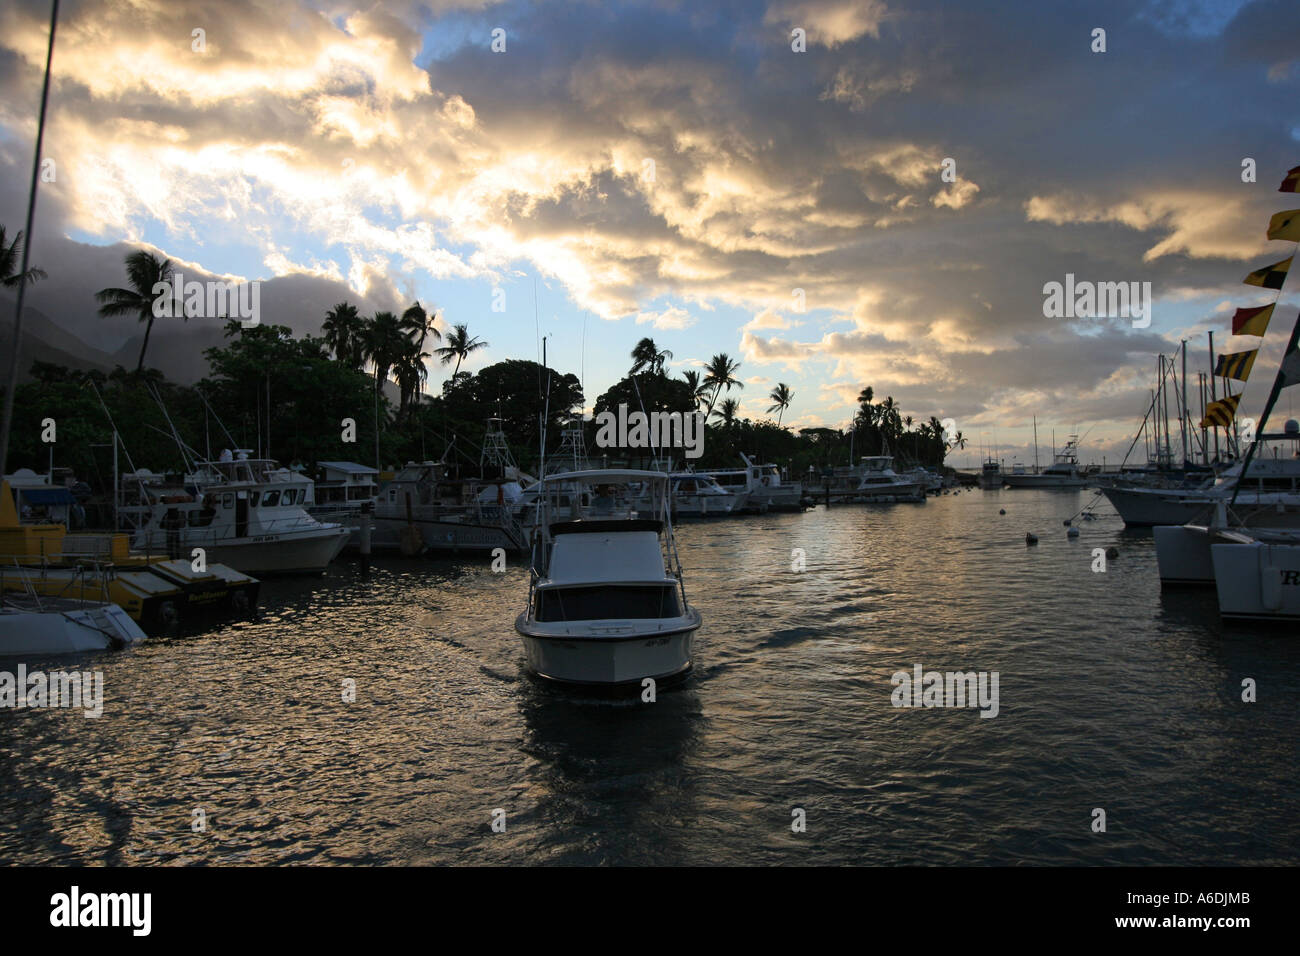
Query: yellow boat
[[44, 559]]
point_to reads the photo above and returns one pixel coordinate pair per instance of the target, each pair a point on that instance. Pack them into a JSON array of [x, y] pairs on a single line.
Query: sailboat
[[1255, 566]]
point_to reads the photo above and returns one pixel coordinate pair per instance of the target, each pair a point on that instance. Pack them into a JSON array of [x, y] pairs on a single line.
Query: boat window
[[227, 500], [202, 517], [608, 602], [270, 499], [290, 496]]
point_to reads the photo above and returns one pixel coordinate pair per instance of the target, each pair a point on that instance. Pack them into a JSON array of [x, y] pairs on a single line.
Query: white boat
[[1063, 472], [606, 602], [36, 627], [879, 482], [697, 495], [1270, 483], [761, 486], [1257, 574], [342, 491], [241, 516], [990, 477]]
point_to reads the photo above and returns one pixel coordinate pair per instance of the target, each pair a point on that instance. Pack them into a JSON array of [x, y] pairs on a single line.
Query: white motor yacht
[[606, 601], [881, 483], [697, 495]]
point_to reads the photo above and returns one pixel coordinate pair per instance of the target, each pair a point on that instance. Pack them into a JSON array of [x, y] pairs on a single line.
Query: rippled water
[[1112, 695]]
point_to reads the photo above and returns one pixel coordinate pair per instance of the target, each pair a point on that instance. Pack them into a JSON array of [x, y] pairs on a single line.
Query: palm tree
[[781, 397], [721, 373], [647, 355], [384, 343], [416, 321], [410, 371], [345, 334], [727, 411], [459, 346], [698, 389], [10, 257], [144, 271]]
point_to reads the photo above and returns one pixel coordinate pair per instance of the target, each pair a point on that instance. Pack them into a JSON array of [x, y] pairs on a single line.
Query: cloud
[[672, 317]]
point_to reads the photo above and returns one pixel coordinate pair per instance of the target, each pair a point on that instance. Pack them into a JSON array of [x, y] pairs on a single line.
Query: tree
[[720, 373], [647, 355], [692, 378], [417, 322], [143, 271], [727, 412], [10, 259], [459, 346], [384, 344], [781, 397], [345, 334]]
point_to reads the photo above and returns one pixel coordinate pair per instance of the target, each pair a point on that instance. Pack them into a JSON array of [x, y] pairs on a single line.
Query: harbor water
[[237, 746]]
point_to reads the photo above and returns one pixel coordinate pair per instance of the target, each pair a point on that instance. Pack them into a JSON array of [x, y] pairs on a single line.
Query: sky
[[683, 171]]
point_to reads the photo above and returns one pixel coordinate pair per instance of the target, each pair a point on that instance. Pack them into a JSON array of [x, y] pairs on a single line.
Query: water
[[1112, 696]]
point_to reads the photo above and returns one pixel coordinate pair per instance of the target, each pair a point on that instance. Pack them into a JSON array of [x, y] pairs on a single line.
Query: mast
[[1035, 444], [1182, 418], [1279, 382], [1213, 396]]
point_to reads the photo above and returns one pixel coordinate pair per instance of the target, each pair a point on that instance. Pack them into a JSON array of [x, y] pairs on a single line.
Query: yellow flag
[[1285, 225]]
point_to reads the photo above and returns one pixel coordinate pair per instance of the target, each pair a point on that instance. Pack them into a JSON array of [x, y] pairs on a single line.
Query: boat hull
[[1257, 581], [32, 633], [1043, 481], [1183, 555], [650, 649]]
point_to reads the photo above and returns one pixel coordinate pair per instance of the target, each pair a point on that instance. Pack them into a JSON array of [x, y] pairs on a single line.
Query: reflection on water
[[1113, 695]]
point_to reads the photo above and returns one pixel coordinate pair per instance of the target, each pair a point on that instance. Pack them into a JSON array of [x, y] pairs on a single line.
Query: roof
[[600, 526], [46, 496], [351, 467], [605, 474]]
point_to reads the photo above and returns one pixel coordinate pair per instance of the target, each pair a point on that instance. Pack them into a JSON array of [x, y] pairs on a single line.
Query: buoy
[[1031, 538], [1112, 553], [1002, 511], [1072, 533], [1066, 522]]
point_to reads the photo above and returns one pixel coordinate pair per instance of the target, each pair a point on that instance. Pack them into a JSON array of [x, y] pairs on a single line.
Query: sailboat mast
[[1213, 397], [1182, 419], [1035, 444]]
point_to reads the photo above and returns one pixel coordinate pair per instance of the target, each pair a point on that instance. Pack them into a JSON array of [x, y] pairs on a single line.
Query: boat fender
[[1072, 533], [1270, 579]]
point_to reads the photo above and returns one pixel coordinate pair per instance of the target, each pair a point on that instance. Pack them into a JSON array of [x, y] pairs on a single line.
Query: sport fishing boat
[[761, 486], [241, 516], [606, 600], [429, 507], [990, 477], [1063, 472]]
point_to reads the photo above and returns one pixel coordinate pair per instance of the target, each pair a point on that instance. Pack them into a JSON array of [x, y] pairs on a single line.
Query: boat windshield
[[608, 602]]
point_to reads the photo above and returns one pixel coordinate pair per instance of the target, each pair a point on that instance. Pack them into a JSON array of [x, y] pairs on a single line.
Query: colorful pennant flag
[[1252, 321], [1270, 277], [1285, 225], [1291, 368], [1221, 413], [1235, 364], [1291, 184]]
